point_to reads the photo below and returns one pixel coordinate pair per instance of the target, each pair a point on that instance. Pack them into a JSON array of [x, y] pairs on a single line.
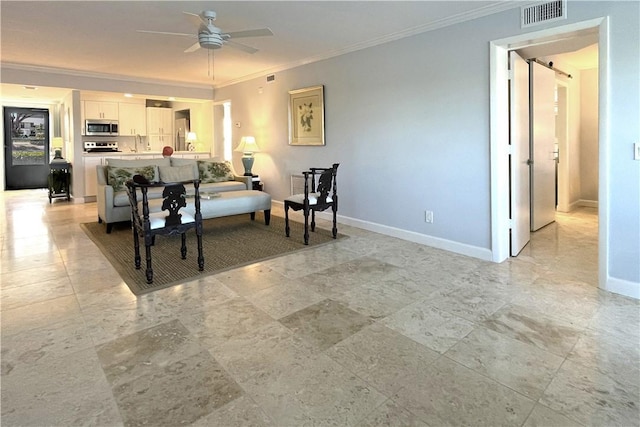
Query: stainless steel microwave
[[101, 127]]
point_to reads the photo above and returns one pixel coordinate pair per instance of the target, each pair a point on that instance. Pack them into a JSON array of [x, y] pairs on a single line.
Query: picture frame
[[306, 116]]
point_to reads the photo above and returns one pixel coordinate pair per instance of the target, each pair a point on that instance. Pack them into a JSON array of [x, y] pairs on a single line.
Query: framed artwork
[[306, 116]]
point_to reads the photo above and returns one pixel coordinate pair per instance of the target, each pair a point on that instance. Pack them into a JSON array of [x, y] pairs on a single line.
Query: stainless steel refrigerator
[[182, 128]]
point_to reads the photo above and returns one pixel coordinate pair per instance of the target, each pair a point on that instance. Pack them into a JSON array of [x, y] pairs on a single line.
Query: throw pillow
[[214, 171], [176, 173], [118, 176]]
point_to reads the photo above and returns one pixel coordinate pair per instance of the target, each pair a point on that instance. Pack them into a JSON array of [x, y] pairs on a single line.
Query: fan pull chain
[[211, 63]]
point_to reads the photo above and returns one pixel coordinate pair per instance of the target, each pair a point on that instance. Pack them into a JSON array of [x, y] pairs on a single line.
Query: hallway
[[365, 331]]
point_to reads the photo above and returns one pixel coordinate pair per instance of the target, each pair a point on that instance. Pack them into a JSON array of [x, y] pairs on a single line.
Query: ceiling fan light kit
[[210, 41]]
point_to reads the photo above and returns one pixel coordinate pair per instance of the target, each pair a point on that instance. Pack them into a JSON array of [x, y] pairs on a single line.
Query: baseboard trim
[[623, 287], [423, 239], [588, 203], [577, 204]]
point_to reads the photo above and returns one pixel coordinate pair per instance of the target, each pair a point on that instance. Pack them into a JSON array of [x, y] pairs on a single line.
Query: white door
[[519, 159], [543, 133]]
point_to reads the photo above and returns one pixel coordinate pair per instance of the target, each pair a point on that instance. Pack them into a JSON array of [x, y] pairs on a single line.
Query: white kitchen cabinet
[[133, 119], [101, 110], [90, 175], [159, 128], [158, 142], [159, 121]]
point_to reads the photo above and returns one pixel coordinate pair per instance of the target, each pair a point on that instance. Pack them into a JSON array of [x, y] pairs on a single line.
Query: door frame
[[499, 135], [7, 139]]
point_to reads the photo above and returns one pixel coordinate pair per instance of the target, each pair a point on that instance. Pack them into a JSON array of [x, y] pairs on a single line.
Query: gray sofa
[[112, 199]]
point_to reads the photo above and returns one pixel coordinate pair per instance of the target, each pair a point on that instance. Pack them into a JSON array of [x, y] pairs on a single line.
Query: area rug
[[228, 242]]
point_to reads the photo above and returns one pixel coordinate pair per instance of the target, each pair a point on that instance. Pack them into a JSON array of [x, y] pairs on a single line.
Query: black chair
[[148, 225], [317, 197]]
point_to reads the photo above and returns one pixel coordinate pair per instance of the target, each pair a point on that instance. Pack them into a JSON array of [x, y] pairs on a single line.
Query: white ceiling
[[98, 38], [578, 49]]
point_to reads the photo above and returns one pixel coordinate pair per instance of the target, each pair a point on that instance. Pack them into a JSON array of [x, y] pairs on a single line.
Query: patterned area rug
[[227, 242]]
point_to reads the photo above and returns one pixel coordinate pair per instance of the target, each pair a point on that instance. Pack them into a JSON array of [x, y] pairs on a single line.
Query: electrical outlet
[[428, 217], [636, 151]]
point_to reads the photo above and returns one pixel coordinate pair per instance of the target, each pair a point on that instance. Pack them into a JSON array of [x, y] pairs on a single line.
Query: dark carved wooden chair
[[318, 197], [148, 225]]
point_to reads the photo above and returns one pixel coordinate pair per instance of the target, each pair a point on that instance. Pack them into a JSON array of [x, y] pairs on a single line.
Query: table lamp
[[57, 147], [191, 141], [247, 146]]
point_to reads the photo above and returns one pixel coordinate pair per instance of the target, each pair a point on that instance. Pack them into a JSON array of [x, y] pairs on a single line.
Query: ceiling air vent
[[542, 13]]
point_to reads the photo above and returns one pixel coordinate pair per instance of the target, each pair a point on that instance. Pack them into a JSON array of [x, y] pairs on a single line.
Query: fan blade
[[241, 47], [193, 47], [195, 18], [251, 33], [167, 33]]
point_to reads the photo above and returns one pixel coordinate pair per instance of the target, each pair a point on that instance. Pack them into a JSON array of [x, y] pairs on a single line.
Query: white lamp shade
[[248, 145], [191, 136], [57, 142]]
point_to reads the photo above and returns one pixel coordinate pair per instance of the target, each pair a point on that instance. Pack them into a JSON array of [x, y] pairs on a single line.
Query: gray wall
[[624, 110], [409, 123]]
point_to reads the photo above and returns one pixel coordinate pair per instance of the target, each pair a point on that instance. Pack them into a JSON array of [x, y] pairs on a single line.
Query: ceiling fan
[[211, 37]]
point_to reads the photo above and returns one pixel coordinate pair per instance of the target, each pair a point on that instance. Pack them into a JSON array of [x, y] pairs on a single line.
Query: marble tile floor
[[366, 331]]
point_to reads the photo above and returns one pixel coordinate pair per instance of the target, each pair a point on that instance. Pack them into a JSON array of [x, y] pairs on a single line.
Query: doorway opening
[[569, 246], [182, 127], [26, 142], [500, 150]]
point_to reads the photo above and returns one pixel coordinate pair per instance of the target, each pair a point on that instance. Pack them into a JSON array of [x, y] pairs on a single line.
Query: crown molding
[[94, 75], [408, 32]]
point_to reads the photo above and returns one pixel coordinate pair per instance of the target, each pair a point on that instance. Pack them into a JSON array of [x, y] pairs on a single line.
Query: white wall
[[570, 157], [409, 123], [574, 144], [72, 131], [589, 135]]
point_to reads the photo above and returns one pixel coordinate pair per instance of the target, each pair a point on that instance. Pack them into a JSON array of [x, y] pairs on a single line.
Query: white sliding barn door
[[519, 159], [543, 131]]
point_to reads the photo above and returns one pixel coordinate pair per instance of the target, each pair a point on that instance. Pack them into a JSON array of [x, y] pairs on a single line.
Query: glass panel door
[[26, 143]]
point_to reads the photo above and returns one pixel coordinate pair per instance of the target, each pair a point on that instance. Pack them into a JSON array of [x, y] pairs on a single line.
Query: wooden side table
[[59, 179]]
